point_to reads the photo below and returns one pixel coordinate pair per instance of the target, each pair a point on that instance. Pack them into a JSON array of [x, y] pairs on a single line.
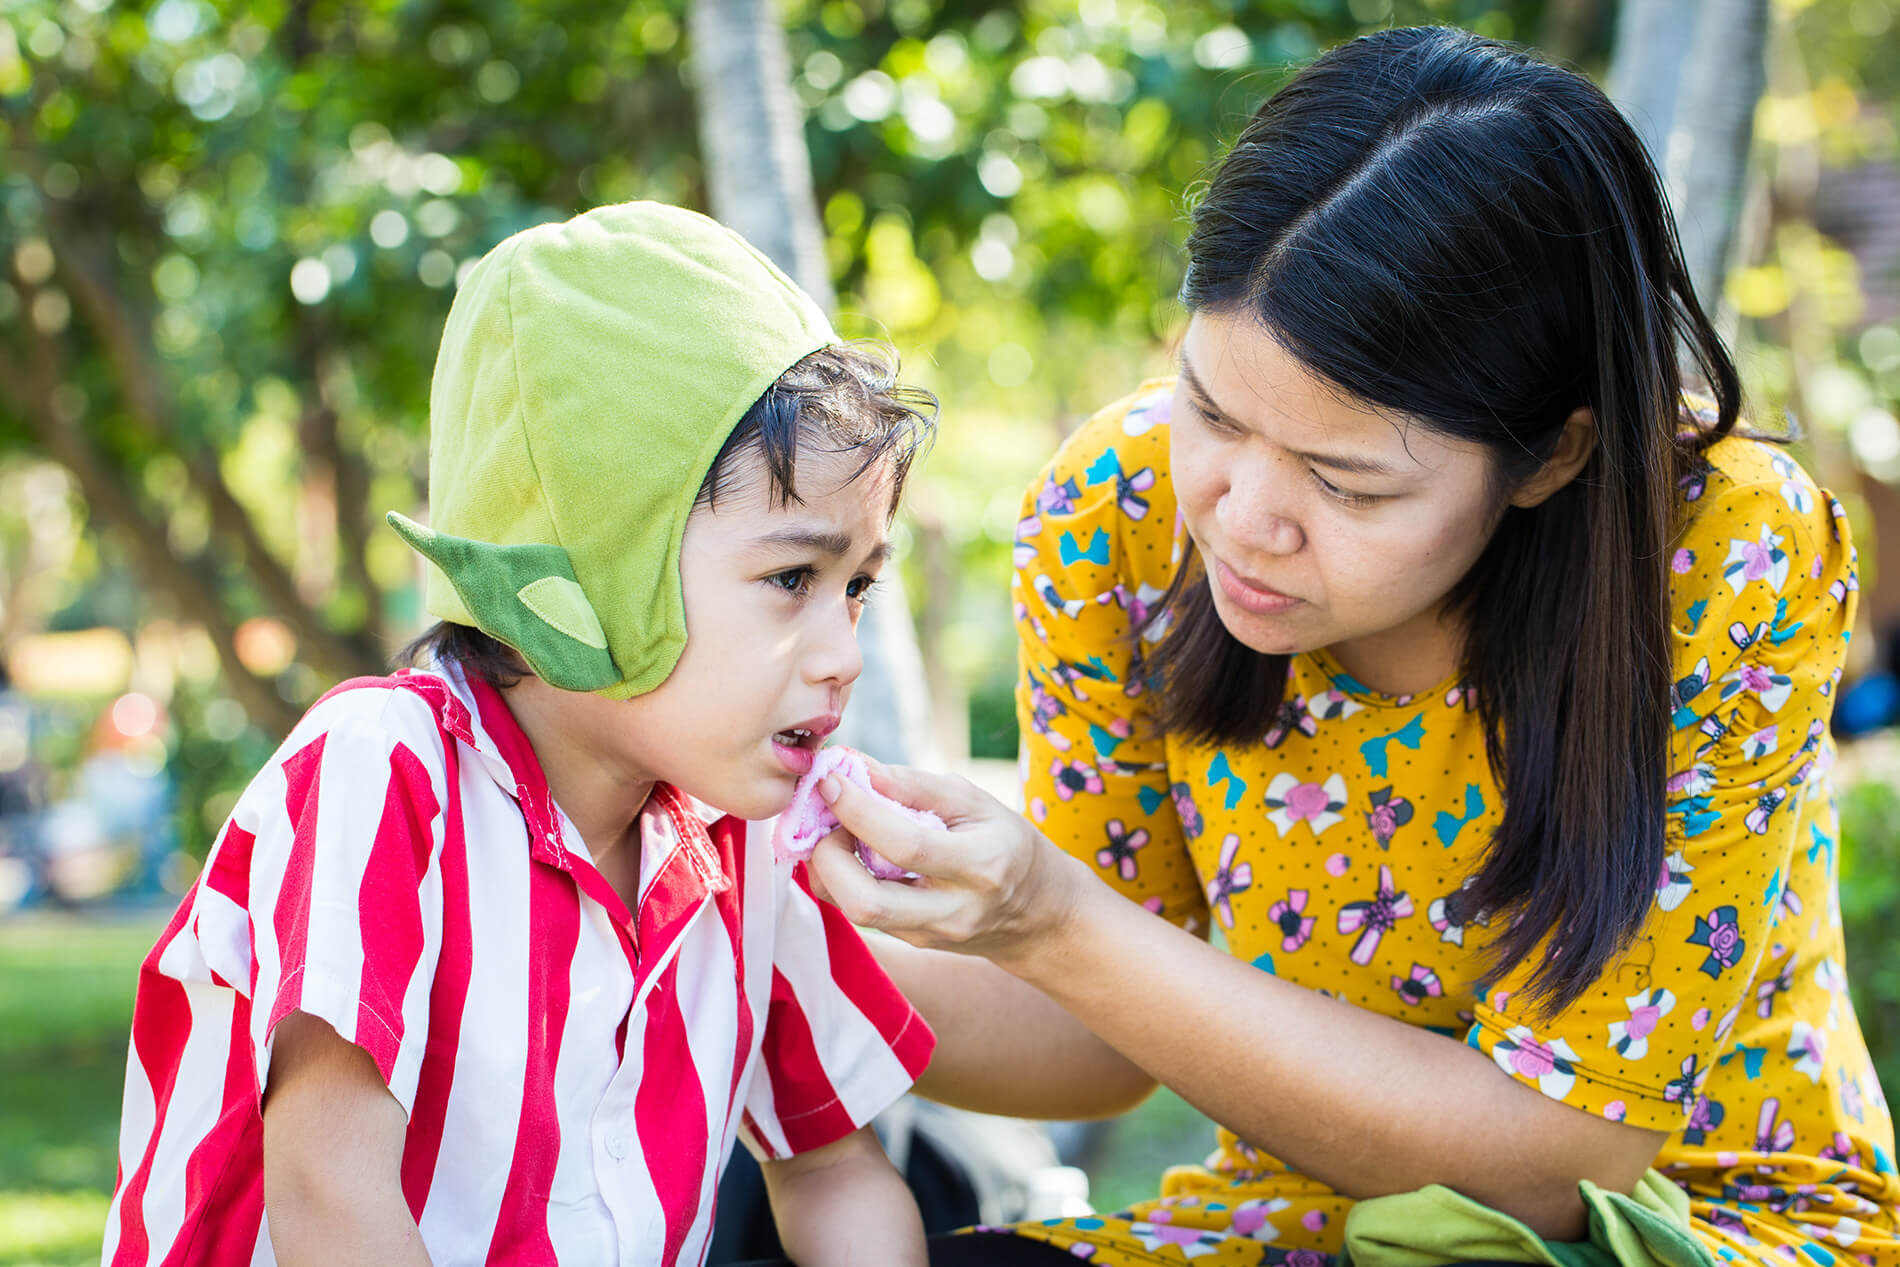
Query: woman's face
[[1322, 523]]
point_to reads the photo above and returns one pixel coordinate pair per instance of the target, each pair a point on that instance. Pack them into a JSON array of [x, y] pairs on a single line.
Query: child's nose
[[835, 656]]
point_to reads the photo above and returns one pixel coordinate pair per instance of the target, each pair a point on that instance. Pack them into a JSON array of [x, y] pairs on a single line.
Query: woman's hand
[[992, 884]]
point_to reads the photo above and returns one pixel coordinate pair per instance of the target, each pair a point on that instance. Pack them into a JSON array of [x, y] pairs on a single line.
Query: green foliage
[[1870, 893], [65, 1007], [230, 236]]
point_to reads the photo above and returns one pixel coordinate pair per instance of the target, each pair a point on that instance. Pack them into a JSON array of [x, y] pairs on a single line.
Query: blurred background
[[229, 234]]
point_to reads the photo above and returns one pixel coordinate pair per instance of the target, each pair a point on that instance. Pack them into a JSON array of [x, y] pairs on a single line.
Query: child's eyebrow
[[826, 541]]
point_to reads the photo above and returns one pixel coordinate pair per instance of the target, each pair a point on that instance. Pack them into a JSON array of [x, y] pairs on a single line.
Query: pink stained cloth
[[808, 820]]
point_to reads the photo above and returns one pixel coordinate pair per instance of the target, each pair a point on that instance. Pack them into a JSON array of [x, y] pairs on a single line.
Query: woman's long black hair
[[1455, 232]]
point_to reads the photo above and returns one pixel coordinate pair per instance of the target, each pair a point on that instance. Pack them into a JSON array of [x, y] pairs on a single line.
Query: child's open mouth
[[797, 746]]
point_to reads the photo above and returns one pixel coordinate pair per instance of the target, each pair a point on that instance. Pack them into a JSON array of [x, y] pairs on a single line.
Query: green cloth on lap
[[1435, 1226]]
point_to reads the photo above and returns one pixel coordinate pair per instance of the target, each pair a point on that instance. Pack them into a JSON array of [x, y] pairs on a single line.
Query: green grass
[[65, 1012]]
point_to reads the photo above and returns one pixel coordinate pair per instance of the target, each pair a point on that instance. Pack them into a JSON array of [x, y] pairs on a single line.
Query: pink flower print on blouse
[[1291, 801], [1449, 916], [1756, 820], [1772, 688], [1228, 880], [1374, 919], [1046, 590], [1630, 1038], [1683, 561], [1674, 883], [1252, 1218], [1719, 931], [1778, 982], [1118, 855], [1762, 559], [1058, 497], [1772, 1135], [1044, 708], [1809, 1047], [1290, 917], [1551, 1065], [1467, 696], [1129, 490], [1073, 776], [1148, 414], [1387, 815], [1703, 1118], [1024, 550], [1192, 1242], [1418, 985], [1187, 811], [1139, 603], [1841, 1149], [1686, 1088], [1333, 703], [1291, 717]]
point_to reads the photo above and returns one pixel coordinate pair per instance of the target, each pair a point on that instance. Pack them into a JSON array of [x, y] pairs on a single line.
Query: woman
[[1424, 642]]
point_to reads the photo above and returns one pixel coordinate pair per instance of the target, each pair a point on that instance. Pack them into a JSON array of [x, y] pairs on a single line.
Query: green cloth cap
[[588, 375]]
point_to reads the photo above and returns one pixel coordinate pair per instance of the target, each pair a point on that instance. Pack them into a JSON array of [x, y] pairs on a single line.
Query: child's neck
[[600, 796]]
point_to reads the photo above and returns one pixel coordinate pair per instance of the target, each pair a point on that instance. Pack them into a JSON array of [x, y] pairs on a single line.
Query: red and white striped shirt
[[574, 1076]]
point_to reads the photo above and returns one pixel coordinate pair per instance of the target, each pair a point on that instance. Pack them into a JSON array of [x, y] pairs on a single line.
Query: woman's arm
[[333, 1138], [1364, 1103], [1004, 1046], [844, 1204]]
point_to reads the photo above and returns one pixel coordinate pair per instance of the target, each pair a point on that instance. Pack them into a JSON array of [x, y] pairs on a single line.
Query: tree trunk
[[1700, 134], [758, 176]]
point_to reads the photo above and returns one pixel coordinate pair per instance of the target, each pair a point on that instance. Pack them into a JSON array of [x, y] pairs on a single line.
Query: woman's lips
[[1248, 596]]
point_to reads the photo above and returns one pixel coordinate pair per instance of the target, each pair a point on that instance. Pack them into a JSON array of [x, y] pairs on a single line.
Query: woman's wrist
[[1061, 891]]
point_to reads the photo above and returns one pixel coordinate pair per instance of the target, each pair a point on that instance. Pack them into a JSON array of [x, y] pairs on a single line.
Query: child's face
[[772, 603]]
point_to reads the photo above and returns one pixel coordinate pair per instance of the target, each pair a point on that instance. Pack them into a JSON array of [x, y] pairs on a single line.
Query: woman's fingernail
[[828, 788]]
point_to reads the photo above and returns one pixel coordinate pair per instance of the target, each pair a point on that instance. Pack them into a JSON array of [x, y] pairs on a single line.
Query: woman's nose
[[1254, 512]]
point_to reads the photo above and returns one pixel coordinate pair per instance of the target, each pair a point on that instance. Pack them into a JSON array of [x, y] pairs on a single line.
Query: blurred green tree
[[229, 236]]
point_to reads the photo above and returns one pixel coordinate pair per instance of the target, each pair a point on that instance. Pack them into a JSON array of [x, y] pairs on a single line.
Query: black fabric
[[977, 1249], [743, 1231]]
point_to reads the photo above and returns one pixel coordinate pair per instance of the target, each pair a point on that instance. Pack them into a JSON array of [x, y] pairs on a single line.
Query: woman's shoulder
[[1760, 547], [1105, 503]]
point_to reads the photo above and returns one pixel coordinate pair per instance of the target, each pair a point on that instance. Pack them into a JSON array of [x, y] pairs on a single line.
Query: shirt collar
[[475, 713]]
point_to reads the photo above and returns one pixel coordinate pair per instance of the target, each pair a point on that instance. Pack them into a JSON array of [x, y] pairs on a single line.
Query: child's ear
[[527, 597], [1574, 447]]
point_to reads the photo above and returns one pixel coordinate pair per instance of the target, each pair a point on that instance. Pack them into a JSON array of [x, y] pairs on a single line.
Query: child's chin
[[755, 802]]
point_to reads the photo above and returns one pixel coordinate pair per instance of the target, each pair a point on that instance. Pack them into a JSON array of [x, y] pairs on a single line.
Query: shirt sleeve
[[1095, 551], [841, 1042], [1766, 595], [336, 844]]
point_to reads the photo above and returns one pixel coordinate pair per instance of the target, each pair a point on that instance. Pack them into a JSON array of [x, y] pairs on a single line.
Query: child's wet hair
[[844, 398]]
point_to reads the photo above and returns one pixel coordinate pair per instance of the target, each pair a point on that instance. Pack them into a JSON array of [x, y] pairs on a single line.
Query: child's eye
[[860, 588], [794, 581], [1340, 495]]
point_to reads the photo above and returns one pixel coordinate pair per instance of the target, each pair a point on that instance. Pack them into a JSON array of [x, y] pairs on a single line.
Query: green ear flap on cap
[[527, 597]]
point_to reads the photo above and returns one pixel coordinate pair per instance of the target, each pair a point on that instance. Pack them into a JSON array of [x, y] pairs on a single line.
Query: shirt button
[[617, 1145]]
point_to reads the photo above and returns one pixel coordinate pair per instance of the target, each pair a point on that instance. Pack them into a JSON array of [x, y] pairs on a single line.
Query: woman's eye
[[1209, 419], [1341, 495]]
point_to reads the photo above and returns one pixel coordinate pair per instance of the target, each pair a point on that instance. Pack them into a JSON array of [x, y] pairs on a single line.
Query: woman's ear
[[1574, 447]]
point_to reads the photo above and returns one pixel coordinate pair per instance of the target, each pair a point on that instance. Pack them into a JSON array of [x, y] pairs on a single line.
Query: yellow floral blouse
[[1331, 852]]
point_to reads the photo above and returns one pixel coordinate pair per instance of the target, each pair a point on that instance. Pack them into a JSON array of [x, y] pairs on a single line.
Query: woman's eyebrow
[[1336, 461], [827, 541]]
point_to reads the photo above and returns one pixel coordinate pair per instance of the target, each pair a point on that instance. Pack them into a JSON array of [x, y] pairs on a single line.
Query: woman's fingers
[[950, 797], [879, 824], [901, 909]]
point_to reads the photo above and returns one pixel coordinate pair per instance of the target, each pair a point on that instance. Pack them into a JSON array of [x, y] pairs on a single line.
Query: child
[[492, 962]]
